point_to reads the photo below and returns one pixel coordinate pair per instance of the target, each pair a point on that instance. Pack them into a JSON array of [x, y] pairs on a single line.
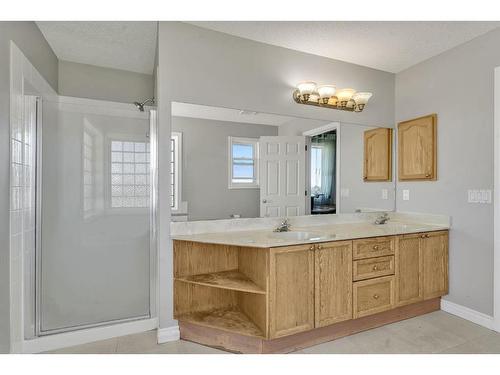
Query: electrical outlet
[[385, 194], [406, 194]]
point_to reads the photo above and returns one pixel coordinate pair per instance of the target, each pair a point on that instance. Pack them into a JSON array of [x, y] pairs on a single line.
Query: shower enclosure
[[96, 169]]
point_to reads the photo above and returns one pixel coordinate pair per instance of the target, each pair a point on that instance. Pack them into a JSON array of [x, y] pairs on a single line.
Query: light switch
[[406, 194], [479, 196], [344, 193], [385, 194]]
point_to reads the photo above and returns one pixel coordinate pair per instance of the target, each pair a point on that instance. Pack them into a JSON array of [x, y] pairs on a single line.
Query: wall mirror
[[233, 163]]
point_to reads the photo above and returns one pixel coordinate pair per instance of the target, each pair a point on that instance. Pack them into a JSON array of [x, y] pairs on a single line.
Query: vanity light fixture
[[329, 96]]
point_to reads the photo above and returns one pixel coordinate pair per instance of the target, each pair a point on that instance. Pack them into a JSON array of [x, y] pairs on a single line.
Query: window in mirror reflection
[[316, 169], [175, 162], [88, 173], [129, 174], [243, 162]]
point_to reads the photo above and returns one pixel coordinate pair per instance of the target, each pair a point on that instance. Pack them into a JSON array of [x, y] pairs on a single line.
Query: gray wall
[[95, 82], [458, 86], [30, 40], [205, 168], [246, 75]]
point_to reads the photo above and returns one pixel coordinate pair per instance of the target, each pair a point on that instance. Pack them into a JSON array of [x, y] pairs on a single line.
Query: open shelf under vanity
[[224, 287]]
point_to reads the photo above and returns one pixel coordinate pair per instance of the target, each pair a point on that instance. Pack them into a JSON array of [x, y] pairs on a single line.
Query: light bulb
[[344, 95], [326, 92]]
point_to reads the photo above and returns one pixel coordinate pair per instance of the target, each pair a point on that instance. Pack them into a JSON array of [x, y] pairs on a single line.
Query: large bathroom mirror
[[233, 163]]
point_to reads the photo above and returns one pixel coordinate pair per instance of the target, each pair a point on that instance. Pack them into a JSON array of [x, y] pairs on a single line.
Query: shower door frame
[[153, 230]]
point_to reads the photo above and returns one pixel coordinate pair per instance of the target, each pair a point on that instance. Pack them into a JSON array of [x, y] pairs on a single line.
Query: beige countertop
[[309, 234]]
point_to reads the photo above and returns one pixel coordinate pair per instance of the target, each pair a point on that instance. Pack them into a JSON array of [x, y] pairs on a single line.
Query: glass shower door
[[94, 257]]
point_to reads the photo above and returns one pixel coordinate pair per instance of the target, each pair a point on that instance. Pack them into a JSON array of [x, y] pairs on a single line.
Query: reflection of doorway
[[323, 163], [323, 173]]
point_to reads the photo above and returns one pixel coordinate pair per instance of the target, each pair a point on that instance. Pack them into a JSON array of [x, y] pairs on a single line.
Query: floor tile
[[98, 347], [376, 341], [138, 343], [486, 344], [184, 347], [424, 335]]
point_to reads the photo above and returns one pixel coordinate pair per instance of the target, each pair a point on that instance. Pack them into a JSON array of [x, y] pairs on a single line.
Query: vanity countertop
[[309, 234]]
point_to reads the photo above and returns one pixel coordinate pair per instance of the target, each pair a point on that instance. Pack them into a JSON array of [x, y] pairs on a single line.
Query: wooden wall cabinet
[[417, 149], [291, 290], [333, 282], [377, 164]]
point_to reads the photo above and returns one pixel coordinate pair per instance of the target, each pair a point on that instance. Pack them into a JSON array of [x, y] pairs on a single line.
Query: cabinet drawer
[[373, 247], [373, 267], [373, 296]]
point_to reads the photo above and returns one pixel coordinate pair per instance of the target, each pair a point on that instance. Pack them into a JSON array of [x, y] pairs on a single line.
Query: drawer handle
[[375, 268], [375, 247], [375, 296]]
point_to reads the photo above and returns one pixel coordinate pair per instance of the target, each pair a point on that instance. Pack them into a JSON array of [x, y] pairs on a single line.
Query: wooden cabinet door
[[417, 146], [378, 155], [291, 290], [435, 264], [409, 265], [333, 282]]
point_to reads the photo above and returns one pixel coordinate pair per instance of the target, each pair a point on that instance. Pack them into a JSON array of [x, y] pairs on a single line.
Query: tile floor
[[437, 332]]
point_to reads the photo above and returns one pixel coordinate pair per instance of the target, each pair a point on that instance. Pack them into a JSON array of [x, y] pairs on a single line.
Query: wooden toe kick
[[238, 343]]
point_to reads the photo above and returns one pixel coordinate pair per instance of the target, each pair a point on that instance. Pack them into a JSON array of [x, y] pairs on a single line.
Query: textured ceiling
[[115, 44], [228, 114], [388, 46]]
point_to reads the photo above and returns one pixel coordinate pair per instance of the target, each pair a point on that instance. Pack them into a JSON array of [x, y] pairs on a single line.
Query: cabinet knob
[[375, 247], [375, 296], [320, 247], [427, 175], [375, 268], [312, 247], [422, 236], [426, 236]]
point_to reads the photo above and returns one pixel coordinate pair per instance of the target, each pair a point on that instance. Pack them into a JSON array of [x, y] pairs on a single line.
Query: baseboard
[[168, 334], [467, 313], [84, 336]]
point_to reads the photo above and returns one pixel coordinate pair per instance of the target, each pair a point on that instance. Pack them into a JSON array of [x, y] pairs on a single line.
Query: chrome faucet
[[382, 219], [283, 227]]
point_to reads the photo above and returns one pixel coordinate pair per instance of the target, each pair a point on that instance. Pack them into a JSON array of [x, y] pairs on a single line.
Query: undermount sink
[[301, 236]]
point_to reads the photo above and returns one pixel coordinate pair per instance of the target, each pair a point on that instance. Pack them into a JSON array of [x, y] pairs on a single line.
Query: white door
[[282, 176]]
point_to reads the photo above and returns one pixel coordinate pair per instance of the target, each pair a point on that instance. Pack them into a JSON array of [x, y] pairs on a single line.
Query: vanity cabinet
[[255, 299], [409, 269], [417, 149], [421, 267], [333, 282], [291, 290], [435, 264], [377, 163]]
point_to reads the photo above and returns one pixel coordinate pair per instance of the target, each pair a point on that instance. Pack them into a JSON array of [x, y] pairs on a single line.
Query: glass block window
[[243, 162], [129, 174]]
